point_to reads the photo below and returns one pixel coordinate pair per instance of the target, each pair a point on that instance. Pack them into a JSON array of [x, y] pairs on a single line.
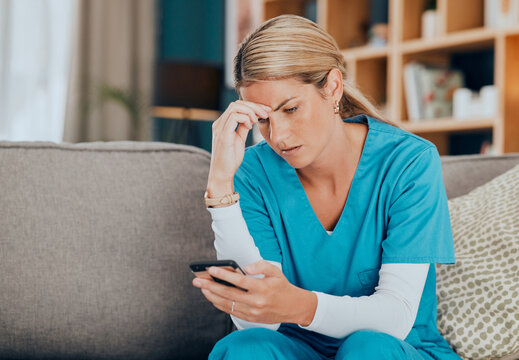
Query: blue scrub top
[[396, 212]]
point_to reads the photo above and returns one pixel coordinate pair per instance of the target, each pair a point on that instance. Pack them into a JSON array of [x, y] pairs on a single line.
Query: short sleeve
[[256, 216], [418, 227]]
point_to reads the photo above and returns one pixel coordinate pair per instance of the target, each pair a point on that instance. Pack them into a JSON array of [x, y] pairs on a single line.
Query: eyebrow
[[284, 102]]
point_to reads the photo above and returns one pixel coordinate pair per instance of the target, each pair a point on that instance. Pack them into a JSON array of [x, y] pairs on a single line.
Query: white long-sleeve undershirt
[[391, 309]]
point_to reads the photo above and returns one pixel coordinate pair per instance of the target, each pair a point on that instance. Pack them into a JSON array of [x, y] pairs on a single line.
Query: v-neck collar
[[294, 194]]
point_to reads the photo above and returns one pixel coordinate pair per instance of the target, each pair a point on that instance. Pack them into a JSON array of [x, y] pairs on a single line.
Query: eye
[[262, 120], [291, 110]]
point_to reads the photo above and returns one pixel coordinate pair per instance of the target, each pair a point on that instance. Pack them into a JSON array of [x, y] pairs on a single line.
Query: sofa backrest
[[95, 242], [461, 174]]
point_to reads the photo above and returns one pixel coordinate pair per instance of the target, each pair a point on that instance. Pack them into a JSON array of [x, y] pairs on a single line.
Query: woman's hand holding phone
[[228, 147], [272, 299]]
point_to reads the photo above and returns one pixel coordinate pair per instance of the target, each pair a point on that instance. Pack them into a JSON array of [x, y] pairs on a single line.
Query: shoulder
[[400, 146], [402, 157], [399, 136]]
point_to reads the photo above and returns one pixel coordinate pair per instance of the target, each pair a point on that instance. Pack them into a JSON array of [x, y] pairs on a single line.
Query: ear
[[334, 86]]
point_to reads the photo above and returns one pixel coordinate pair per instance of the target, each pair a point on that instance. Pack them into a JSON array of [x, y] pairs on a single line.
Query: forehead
[[273, 91]]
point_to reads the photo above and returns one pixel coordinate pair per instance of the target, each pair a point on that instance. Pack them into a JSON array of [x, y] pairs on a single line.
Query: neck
[[331, 168]]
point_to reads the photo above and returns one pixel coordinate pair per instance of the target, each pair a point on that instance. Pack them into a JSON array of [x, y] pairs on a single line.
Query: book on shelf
[[429, 90]]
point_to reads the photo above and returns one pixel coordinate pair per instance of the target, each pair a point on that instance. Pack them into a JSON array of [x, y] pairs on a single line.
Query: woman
[[340, 213]]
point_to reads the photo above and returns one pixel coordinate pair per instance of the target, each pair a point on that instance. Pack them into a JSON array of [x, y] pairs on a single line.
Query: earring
[[336, 107]]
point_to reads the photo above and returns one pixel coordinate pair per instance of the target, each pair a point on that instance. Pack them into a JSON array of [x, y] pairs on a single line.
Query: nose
[[279, 131]]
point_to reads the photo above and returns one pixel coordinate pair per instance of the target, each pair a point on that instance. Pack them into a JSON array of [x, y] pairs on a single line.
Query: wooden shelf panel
[[345, 21], [181, 113], [447, 125], [273, 8], [510, 31], [463, 14], [366, 52], [371, 79], [462, 40]]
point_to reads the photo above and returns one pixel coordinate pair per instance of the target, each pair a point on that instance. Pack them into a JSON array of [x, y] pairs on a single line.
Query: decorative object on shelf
[[463, 103], [487, 148], [378, 33], [469, 104], [429, 24], [429, 90], [430, 18], [489, 100], [501, 13]]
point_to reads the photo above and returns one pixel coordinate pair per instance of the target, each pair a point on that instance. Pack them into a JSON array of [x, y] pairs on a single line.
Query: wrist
[[217, 189], [217, 178], [307, 301]]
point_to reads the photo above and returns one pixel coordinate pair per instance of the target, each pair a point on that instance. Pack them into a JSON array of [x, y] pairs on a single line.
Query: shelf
[[447, 125], [181, 113], [461, 40], [365, 52], [485, 55], [271, 1], [510, 31]]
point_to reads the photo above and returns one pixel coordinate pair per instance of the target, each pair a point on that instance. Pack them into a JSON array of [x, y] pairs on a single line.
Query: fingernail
[[196, 282], [213, 271]]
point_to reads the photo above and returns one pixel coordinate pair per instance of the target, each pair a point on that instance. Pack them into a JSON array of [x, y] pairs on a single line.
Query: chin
[[299, 163]]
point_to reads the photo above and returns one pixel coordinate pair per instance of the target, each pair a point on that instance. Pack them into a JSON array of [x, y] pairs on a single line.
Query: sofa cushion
[[478, 297], [96, 239]]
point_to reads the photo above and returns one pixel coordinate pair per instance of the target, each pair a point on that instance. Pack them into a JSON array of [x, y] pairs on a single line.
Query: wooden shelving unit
[[172, 112], [379, 71]]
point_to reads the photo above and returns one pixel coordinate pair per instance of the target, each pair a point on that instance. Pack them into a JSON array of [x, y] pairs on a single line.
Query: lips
[[290, 148], [291, 151]]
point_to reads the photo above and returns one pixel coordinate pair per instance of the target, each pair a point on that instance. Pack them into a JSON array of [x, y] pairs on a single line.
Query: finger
[[244, 125], [240, 310], [225, 291], [243, 132], [222, 119], [252, 110], [263, 267], [235, 278], [228, 131], [258, 108], [218, 301], [235, 119], [248, 111]]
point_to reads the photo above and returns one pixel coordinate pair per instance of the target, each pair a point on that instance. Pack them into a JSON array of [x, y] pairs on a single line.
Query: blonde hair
[[291, 46]]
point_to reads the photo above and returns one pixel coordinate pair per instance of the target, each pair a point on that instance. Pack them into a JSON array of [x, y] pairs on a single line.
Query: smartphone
[[199, 268]]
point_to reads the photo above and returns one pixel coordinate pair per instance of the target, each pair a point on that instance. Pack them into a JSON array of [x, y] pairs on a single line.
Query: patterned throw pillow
[[478, 298]]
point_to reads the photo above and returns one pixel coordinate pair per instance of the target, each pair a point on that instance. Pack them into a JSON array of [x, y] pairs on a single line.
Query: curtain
[[35, 39], [110, 83]]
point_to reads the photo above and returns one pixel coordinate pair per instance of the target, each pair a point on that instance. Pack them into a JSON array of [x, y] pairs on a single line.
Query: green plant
[[131, 101]]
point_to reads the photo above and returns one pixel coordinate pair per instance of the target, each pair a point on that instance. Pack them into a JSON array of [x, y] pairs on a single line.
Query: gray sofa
[[95, 242]]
